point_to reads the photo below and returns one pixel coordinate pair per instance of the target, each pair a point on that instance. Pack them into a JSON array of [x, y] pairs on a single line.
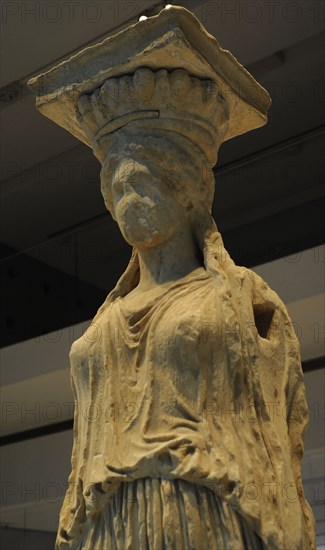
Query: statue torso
[[144, 377]]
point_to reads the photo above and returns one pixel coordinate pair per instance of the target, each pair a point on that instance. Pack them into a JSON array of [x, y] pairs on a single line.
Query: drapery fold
[[168, 514], [187, 388]]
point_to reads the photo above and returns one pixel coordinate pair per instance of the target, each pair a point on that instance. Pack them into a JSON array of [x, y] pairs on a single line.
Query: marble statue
[[190, 401]]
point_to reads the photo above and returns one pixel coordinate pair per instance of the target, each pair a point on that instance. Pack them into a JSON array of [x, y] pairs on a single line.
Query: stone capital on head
[[166, 72]]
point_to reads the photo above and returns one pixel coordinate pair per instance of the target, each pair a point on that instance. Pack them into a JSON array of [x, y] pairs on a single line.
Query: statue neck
[[168, 261]]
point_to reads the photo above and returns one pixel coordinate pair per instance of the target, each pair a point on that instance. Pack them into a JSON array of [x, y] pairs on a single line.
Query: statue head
[[152, 182], [157, 136], [155, 102]]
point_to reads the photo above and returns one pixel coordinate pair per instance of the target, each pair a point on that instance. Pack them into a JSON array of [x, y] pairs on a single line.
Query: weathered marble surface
[[190, 403]]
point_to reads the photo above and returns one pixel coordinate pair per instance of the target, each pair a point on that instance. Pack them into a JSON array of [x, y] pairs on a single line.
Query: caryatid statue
[[192, 384]]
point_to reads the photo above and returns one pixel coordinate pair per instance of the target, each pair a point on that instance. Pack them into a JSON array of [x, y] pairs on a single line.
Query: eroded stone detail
[[190, 403]]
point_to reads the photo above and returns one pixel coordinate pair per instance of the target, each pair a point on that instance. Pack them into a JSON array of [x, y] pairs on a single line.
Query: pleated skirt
[[159, 514]]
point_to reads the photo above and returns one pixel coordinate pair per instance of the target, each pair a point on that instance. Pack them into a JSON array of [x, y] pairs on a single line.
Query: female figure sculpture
[[190, 406]]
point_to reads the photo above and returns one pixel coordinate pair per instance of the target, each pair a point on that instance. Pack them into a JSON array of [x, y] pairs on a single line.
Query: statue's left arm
[[286, 361]]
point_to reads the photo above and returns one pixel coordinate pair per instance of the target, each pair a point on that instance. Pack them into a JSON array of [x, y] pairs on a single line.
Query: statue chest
[[162, 351]]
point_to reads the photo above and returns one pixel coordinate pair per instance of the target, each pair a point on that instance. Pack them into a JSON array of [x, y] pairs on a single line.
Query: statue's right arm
[[72, 515]]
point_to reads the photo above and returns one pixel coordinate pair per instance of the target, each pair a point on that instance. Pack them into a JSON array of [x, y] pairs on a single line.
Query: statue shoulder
[[260, 289]]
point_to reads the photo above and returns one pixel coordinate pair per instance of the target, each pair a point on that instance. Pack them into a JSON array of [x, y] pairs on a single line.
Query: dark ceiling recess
[[10, 92], [277, 236], [39, 299]]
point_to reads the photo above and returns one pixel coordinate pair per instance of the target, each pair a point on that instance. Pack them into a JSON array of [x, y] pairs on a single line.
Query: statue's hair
[[184, 168]]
